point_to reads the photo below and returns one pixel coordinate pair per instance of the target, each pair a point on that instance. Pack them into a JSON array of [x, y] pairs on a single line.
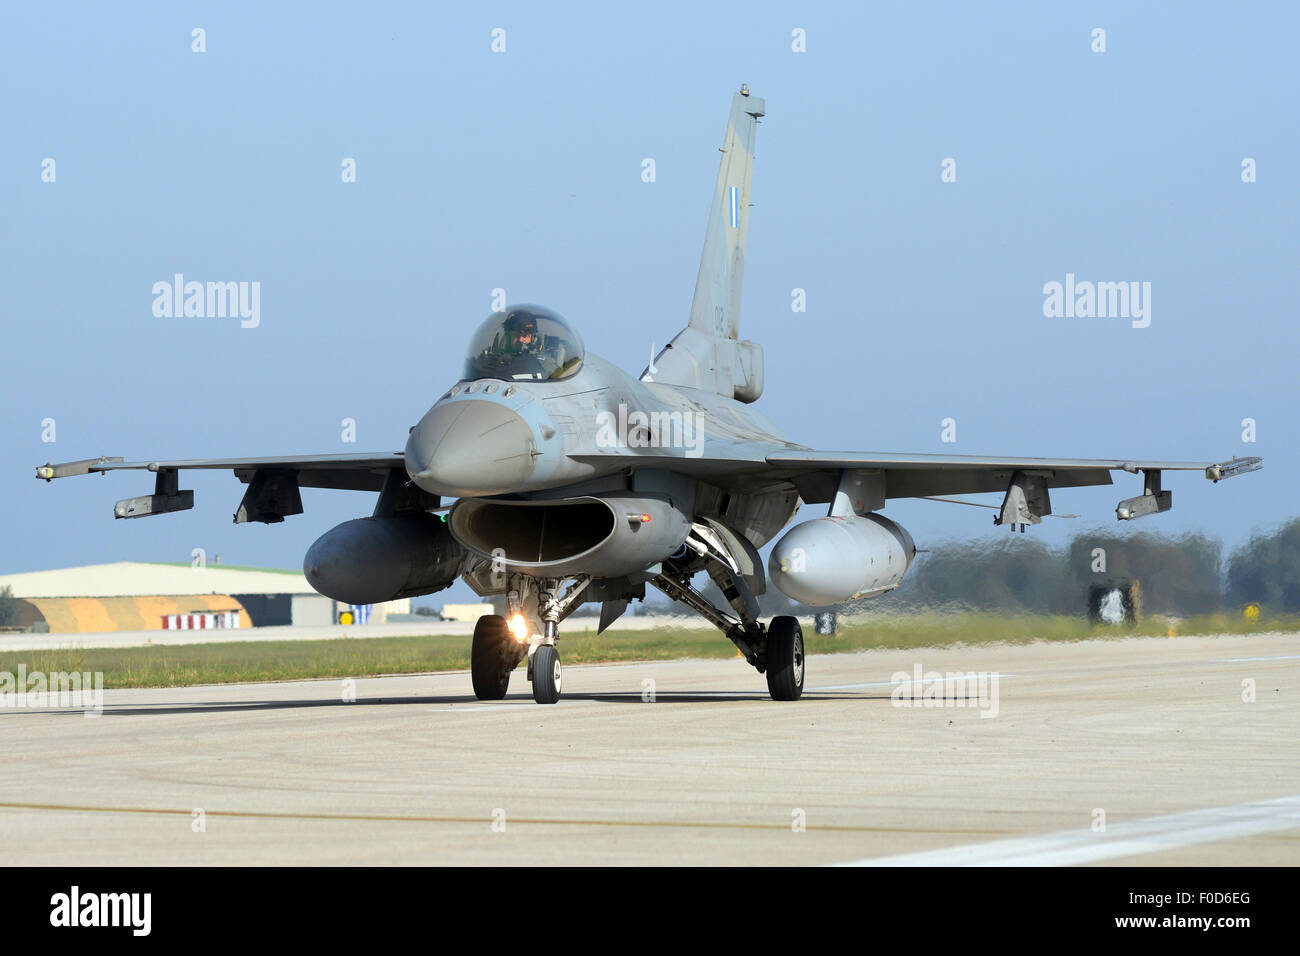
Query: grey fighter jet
[[571, 481]]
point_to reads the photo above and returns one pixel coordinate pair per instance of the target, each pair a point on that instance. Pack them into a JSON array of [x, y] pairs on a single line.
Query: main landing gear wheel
[[784, 658], [546, 674], [492, 657]]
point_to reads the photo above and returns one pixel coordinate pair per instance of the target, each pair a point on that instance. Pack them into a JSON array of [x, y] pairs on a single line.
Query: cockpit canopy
[[524, 343]]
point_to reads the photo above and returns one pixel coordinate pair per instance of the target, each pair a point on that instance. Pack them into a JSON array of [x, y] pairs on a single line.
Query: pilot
[[521, 334]]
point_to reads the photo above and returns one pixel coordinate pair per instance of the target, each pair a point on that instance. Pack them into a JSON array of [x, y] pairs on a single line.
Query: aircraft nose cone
[[469, 448]]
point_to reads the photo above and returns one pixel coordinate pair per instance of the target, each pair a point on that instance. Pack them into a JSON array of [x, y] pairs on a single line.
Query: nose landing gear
[[499, 645], [544, 660], [546, 674]]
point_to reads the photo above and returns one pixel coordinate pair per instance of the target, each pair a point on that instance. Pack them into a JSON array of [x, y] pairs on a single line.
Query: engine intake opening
[[533, 532]]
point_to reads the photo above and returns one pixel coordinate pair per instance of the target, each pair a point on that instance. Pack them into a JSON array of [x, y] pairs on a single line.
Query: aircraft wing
[[868, 479], [876, 476], [273, 482]]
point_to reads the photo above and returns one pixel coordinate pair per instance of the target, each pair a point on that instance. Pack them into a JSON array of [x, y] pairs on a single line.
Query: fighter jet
[[550, 478]]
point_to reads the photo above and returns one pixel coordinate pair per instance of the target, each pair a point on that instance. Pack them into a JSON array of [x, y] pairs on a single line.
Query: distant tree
[[1015, 573], [772, 602], [1175, 575], [655, 604], [8, 607], [1003, 574], [1267, 570]]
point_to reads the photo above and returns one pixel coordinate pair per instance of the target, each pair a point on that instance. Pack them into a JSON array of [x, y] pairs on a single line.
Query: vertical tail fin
[[716, 307], [706, 354]]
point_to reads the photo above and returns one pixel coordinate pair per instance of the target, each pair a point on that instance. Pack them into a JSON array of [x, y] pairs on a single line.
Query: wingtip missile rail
[[67, 469], [1230, 469]]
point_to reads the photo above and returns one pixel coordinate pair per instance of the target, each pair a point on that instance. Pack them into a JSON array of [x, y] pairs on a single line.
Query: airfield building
[[146, 596]]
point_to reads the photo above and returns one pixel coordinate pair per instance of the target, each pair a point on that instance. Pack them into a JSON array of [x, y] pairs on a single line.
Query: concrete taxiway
[[1145, 751], [317, 632]]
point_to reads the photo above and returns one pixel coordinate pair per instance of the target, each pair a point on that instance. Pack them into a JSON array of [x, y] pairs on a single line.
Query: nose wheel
[[534, 601], [546, 674]]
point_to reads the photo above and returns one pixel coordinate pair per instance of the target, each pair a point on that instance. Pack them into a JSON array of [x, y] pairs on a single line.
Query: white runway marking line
[[1132, 838], [1246, 660], [473, 708], [888, 683]]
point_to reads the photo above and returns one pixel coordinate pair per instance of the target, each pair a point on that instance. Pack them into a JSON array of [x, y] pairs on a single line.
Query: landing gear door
[[748, 564]]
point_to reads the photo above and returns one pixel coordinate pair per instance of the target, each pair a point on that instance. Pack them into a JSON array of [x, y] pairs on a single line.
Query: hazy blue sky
[[522, 170]]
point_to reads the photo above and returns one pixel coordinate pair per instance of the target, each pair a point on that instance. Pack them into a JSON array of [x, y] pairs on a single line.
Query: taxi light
[[519, 628]]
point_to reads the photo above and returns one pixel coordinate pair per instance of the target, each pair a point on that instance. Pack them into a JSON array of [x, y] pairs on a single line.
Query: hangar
[[146, 596]]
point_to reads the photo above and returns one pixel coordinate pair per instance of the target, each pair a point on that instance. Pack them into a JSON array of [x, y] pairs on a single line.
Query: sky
[[522, 170]]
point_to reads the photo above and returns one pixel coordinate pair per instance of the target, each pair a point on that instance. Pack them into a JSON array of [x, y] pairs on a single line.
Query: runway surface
[[1151, 737], [317, 632]]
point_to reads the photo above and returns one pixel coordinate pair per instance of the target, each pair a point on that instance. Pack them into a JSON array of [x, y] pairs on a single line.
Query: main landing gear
[[494, 654], [785, 658], [775, 650], [536, 608]]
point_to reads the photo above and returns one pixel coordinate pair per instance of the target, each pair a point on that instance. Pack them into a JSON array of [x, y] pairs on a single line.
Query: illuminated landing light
[[519, 628], [642, 518]]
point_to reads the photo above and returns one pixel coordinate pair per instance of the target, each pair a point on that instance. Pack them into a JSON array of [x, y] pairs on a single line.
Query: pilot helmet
[[521, 328]]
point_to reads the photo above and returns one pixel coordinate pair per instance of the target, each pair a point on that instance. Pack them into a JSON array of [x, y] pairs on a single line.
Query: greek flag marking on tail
[[735, 207]]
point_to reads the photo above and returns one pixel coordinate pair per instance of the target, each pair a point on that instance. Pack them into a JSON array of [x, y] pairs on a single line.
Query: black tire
[[546, 674], [492, 657], [785, 662]]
